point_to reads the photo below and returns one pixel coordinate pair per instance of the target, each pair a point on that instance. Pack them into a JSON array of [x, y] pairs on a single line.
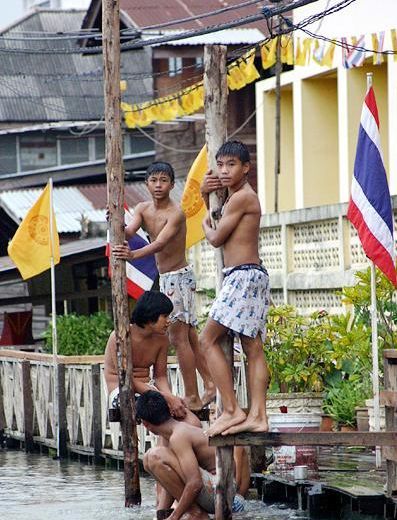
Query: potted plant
[[342, 399]]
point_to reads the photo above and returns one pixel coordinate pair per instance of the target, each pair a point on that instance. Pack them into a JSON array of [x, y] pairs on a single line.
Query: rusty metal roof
[[152, 12]]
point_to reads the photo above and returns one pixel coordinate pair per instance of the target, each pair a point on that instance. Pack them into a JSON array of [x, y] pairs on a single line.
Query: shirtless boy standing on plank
[[241, 305], [165, 223]]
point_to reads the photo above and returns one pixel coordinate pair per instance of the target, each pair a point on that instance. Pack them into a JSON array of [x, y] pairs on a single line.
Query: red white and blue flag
[[370, 209], [140, 273]]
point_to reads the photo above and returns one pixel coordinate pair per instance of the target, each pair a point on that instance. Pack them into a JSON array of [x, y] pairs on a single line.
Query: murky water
[[36, 487]]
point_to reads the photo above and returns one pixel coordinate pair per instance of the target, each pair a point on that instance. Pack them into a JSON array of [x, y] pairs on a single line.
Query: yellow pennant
[[248, 69], [268, 53], [394, 43], [32, 247]]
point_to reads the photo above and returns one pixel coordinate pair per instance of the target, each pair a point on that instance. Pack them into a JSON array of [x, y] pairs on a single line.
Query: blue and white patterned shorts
[[180, 287], [243, 300]]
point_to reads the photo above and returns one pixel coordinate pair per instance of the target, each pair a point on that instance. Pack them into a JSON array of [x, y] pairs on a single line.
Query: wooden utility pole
[[115, 183], [277, 151], [215, 107]]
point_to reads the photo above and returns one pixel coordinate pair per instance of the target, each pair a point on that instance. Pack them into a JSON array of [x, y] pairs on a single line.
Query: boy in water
[[165, 223], [241, 305], [186, 466]]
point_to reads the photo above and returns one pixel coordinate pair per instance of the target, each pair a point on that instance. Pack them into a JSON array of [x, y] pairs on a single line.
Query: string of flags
[[243, 71]]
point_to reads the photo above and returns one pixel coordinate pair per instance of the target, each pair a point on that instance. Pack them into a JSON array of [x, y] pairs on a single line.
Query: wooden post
[[27, 396], [215, 106], [390, 378], [115, 182], [277, 151], [62, 421], [96, 412]]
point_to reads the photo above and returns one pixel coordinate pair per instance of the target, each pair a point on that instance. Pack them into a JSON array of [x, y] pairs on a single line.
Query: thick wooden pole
[[115, 182], [215, 106]]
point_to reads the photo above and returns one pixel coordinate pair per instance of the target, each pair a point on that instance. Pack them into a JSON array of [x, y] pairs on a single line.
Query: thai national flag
[[140, 273], [370, 208]]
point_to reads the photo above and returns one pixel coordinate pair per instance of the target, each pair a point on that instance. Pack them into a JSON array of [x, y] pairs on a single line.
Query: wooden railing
[[27, 403]]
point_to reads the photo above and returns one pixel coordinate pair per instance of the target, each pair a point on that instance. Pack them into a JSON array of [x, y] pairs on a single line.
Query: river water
[[36, 487]]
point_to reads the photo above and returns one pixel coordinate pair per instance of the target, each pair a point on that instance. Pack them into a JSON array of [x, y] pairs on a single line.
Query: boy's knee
[[153, 458]]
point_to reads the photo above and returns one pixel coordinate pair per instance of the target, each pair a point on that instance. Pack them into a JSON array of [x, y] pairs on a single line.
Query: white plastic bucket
[[286, 457]]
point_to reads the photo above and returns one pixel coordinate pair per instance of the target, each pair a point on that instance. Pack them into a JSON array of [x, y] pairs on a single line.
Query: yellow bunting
[[247, 67], [394, 43], [328, 58], [287, 50], [237, 78], [377, 45], [123, 85], [268, 53], [303, 53]]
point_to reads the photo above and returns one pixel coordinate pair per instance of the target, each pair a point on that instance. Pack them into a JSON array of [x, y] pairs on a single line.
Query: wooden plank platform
[[307, 439]]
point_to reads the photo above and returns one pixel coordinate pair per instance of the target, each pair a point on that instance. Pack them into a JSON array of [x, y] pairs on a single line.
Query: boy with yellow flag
[[33, 244]]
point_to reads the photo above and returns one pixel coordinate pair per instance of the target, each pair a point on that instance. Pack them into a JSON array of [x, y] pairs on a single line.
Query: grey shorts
[[180, 287], [243, 300]]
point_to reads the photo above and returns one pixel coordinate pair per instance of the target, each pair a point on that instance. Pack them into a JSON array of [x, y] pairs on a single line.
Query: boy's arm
[[183, 449], [235, 210], [135, 224], [163, 238], [176, 404]]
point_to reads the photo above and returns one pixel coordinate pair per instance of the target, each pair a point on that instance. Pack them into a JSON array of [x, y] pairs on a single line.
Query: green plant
[[343, 397], [306, 353], [359, 296], [80, 335]]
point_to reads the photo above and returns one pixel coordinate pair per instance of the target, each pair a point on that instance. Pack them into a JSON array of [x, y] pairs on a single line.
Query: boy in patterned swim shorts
[[165, 223], [242, 303]]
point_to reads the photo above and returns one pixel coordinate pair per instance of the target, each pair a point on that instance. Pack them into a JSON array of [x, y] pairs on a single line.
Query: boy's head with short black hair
[[160, 167], [234, 149], [151, 407], [149, 307]]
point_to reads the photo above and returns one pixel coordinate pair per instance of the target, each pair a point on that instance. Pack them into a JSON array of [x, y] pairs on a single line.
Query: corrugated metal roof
[[226, 37], [71, 204], [152, 12], [62, 87]]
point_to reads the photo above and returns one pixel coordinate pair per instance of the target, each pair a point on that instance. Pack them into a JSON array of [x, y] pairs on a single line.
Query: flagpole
[[54, 324], [374, 342]]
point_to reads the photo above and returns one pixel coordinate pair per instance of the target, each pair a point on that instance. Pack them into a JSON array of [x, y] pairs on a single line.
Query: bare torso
[[172, 256], [144, 355], [205, 454], [241, 246]]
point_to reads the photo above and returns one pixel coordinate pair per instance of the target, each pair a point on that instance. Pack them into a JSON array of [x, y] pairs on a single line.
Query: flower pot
[[327, 423], [347, 428], [362, 418]]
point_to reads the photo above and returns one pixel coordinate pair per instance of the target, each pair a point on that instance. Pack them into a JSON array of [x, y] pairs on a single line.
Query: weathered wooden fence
[[27, 403]]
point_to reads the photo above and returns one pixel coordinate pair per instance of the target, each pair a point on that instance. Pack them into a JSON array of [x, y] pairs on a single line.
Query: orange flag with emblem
[[192, 202], [31, 248]]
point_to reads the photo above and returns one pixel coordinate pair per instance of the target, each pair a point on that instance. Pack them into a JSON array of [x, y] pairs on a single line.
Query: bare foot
[[208, 396], [193, 403], [249, 425], [226, 421], [195, 513]]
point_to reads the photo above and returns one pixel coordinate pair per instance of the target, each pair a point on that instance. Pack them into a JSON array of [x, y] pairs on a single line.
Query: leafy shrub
[[80, 335]]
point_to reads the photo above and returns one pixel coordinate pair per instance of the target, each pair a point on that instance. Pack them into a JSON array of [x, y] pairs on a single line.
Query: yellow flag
[[192, 203], [30, 247]]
